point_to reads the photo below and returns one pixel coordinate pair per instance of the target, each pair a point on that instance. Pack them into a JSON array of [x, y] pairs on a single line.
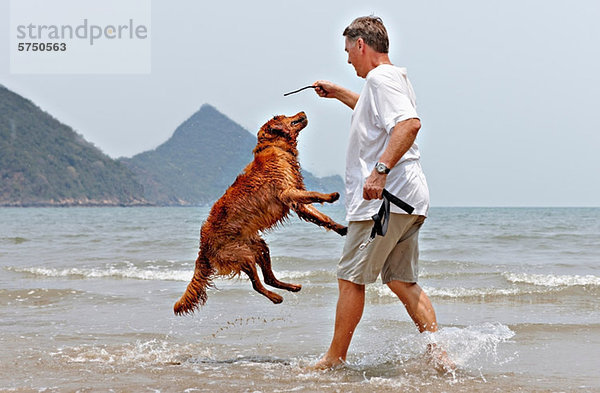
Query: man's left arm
[[402, 137]]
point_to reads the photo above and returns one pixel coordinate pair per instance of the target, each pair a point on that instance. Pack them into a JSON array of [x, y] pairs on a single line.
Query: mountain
[[45, 163], [201, 159], [326, 184]]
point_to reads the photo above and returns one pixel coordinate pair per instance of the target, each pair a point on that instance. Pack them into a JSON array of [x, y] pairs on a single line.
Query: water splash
[[470, 348]]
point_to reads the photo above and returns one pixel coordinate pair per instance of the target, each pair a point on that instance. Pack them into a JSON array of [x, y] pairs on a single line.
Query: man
[[381, 153]]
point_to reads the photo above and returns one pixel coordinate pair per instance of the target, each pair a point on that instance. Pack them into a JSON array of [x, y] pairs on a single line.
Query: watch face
[[381, 168]]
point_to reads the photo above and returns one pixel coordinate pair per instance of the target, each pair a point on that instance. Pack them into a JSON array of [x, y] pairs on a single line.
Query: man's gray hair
[[371, 30]]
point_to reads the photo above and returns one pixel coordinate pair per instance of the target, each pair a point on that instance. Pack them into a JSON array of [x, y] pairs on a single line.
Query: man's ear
[[360, 43]]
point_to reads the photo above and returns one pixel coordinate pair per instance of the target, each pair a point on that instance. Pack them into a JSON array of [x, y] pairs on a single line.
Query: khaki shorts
[[394, 255]]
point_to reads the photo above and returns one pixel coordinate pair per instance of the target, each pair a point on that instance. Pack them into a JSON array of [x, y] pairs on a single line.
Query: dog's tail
[[195, 294]]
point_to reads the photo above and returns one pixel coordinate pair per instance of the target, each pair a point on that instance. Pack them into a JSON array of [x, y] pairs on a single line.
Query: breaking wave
[[552, 280], [160, 273], [381, 291], [132, 272]]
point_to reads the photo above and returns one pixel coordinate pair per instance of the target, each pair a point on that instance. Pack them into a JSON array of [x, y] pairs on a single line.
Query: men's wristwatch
[[381, 168]]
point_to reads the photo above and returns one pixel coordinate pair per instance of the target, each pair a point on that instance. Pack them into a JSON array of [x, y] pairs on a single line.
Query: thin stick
[[299, 90]]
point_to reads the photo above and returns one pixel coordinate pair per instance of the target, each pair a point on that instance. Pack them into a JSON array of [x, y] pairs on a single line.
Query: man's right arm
[[331, 90]]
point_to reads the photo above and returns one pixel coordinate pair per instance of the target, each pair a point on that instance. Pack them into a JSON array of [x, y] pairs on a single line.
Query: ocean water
[[86, 297]]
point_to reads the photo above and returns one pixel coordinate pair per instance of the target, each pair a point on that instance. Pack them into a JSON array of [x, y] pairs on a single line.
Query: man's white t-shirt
[[386, 99]]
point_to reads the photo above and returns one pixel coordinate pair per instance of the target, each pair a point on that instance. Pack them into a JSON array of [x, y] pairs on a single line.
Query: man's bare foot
[[327, 363], [439, 359]]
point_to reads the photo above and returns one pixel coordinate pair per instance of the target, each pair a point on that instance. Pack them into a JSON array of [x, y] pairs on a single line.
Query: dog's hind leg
[[250, 270], [263, 258], [241, 256]]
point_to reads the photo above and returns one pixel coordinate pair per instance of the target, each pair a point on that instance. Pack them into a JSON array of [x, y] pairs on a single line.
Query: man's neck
[[376, 59]]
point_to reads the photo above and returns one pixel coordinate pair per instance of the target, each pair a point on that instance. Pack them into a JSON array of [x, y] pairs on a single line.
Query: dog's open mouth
[[298, 121]]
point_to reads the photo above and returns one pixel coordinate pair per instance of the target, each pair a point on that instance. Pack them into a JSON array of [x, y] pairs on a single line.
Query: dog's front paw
[[342, 231], [334, 196]]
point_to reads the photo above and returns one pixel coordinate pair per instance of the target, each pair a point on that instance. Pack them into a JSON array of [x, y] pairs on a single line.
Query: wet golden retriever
[[261, 196]]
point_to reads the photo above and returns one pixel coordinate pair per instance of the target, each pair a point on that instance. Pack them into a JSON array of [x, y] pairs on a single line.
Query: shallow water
[[86, 300]]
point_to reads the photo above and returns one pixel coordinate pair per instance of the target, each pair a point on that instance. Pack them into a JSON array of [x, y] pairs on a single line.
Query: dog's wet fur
[[261, 196]]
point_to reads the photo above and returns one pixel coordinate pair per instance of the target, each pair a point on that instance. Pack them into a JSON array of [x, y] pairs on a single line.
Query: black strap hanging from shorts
[[381, 219]]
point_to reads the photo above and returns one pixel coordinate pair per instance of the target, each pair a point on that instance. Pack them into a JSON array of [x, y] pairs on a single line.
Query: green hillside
[[45, 163]]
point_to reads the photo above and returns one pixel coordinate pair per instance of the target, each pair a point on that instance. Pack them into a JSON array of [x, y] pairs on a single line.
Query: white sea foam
[[160, 273], [552, 280], [382, 291], [114, 272], [140, 353], [545, 283], [460, 292], [293, 274], [167, 273], [312, 274]]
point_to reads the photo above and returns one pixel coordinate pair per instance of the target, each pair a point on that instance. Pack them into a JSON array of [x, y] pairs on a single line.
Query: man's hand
[[373, 188], [331, 90], [325, 89]]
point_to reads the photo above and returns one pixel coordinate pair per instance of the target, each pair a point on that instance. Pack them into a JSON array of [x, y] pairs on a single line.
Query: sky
[[507, 91]]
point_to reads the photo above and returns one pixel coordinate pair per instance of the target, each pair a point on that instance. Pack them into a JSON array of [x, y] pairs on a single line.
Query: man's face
[[353, 48]]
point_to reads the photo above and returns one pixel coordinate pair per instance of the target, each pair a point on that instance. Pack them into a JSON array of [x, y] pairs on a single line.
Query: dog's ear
[[278, 129]]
